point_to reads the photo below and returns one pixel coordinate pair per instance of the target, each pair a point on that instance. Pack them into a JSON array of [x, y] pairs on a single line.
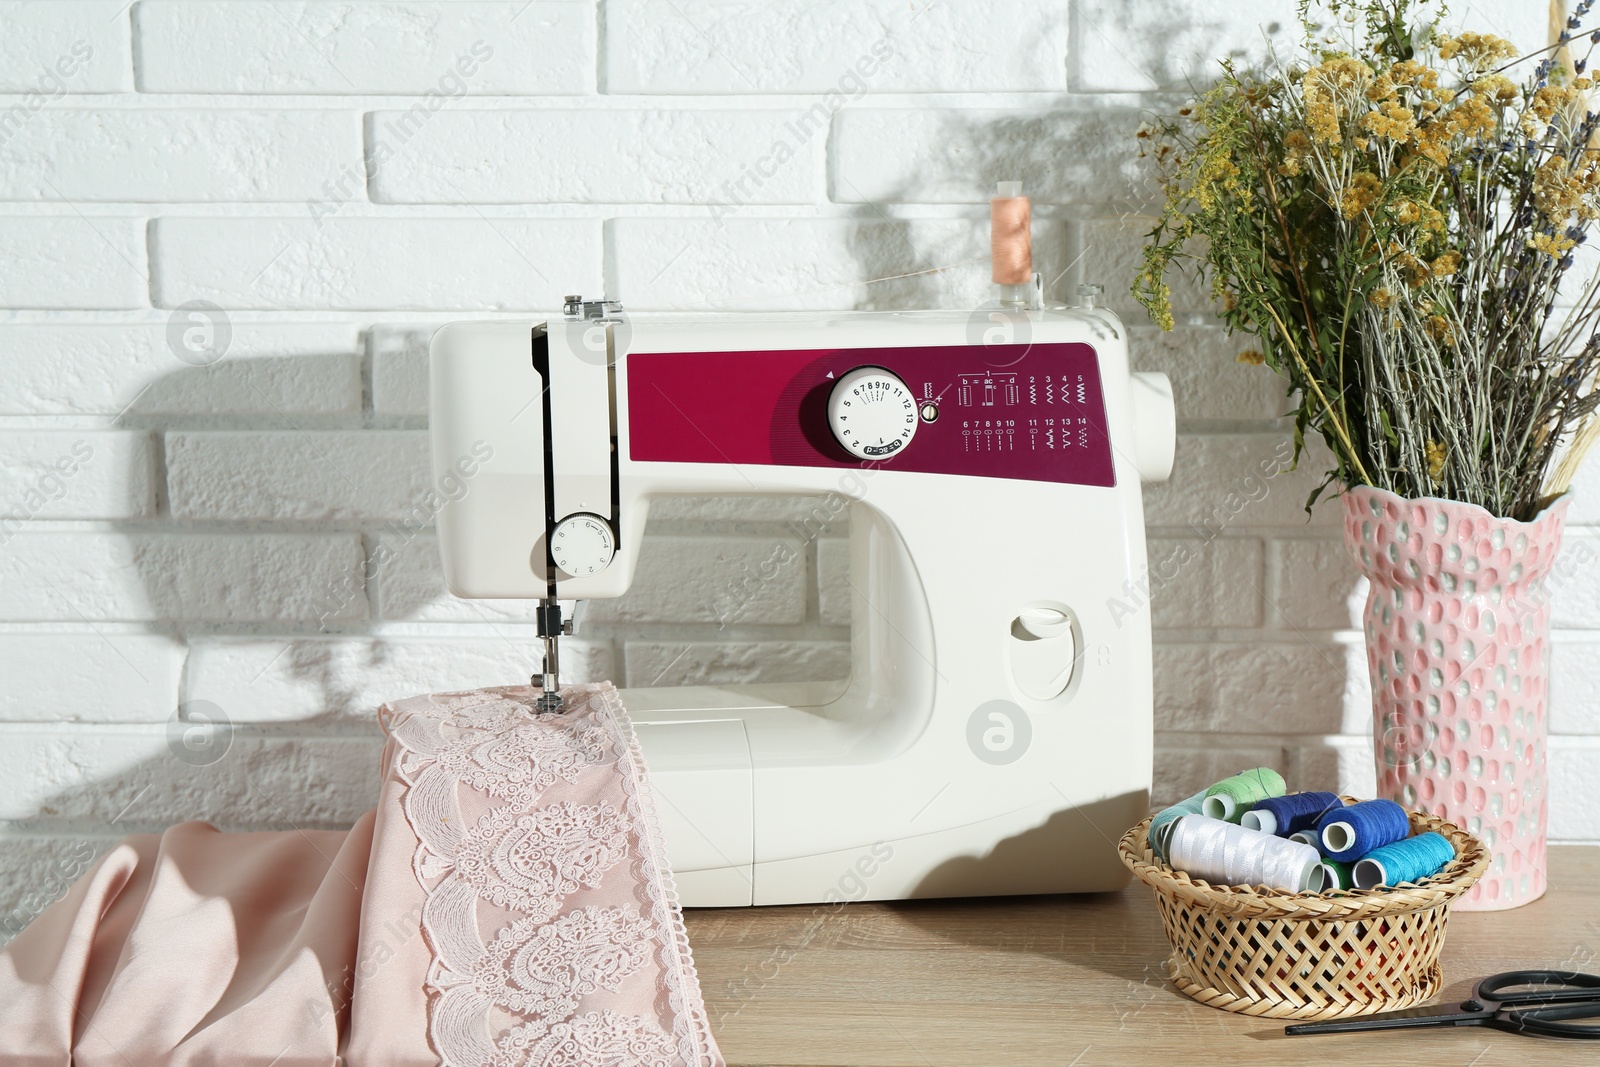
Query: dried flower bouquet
[[1394, 218]]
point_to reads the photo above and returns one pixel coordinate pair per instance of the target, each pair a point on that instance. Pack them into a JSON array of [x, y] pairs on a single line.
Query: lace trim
[[523, 822]]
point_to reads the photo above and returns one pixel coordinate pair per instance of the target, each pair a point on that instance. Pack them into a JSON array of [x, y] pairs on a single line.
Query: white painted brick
[[89, 677], [1224, 481], [589, 157], [99, 774], [844, 47], [410, 582], [1574, 801], [348, 263], [37, 49], [1183, 768], [1208, 381], [1176, 44], [73, 577], [73, 261], [809, 515], [1318, 585], [173, 156], [1573, 583], [729, 580], [833, 581], [1585, 506], [72, 474], [744, 264], [410, 48], [948, 156], [1268, 687], [399, 370], [660, 663], [1340, 764], [1169, 44], [372, 474], [1199, 583], [320, 680], [114, 370], [1112, 257], [36, 871], [1574, 698]]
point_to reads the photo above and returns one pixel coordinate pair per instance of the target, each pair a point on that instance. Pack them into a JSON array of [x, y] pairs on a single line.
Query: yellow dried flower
[[1497, 89], [1251, 358], [1446, 264], [1550, 245], [1328, 88], [1436, 455], [1363, 190], [1381, 298], [1405, 212], [1438, 328], [1479, 51], [1556, 193]]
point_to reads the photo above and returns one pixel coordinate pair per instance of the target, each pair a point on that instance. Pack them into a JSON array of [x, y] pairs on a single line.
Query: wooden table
[[1077, 980]]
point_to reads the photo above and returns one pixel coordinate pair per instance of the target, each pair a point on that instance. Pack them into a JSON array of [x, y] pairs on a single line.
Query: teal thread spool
[[1230, 798], [1329, 875], [1160, 832], [1410, 860], [1307, 837]]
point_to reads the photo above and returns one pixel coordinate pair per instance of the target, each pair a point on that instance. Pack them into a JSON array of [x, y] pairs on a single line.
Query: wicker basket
[[1261, 951]]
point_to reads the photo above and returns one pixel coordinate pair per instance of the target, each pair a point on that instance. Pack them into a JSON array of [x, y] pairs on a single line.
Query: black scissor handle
[[1547, 987], [1536, 1002]]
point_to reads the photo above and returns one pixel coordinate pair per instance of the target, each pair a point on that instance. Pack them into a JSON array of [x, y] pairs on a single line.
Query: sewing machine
[[994, 736]]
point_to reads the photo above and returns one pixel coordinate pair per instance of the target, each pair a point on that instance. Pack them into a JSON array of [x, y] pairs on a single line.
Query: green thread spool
[[1331, 874], [1230, 798]]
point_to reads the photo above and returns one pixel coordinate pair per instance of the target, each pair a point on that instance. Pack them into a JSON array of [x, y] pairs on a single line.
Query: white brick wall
[[235, 534]]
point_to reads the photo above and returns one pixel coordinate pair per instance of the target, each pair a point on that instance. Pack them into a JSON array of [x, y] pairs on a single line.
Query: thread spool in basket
[[1307, 837], [1410, 860], [1161, 823], [1286, 815], [1350, 833], [1329, 875], [1230, 798], [1225, 854]]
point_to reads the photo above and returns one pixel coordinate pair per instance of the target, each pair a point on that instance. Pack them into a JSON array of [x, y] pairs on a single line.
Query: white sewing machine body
[[995, 734]]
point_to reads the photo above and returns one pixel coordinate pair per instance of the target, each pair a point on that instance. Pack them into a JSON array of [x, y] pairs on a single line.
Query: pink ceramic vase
[[1457, 625]]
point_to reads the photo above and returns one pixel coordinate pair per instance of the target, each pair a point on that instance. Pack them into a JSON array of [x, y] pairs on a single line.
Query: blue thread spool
[[1160, 832], [1350, 833], [1286, 815], [1410, 860]]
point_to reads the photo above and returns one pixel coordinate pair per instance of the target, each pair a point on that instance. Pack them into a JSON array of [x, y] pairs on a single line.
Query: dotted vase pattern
[[1457, 627]]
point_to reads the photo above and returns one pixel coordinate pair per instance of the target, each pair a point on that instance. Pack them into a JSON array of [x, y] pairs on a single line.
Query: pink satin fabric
[[540, 930]]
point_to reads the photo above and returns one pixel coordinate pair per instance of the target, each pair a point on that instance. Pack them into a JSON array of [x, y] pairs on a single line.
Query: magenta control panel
[[1033, 412]]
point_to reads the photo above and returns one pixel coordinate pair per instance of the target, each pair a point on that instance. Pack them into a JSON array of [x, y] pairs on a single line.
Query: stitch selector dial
[[582, 545], [872, 413]]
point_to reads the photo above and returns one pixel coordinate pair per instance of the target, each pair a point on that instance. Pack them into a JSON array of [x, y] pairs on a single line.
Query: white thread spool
[[1225, 854]]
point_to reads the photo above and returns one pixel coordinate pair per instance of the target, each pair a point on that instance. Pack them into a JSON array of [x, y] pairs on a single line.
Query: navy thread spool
[[1286, 815], [1410, 860], [1350, 833]]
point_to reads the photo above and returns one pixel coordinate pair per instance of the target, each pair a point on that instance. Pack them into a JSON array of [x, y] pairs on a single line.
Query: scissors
[[1519, 1002]]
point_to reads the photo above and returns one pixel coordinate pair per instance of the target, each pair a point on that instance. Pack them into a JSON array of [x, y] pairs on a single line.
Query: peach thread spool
[[1011, 244]]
